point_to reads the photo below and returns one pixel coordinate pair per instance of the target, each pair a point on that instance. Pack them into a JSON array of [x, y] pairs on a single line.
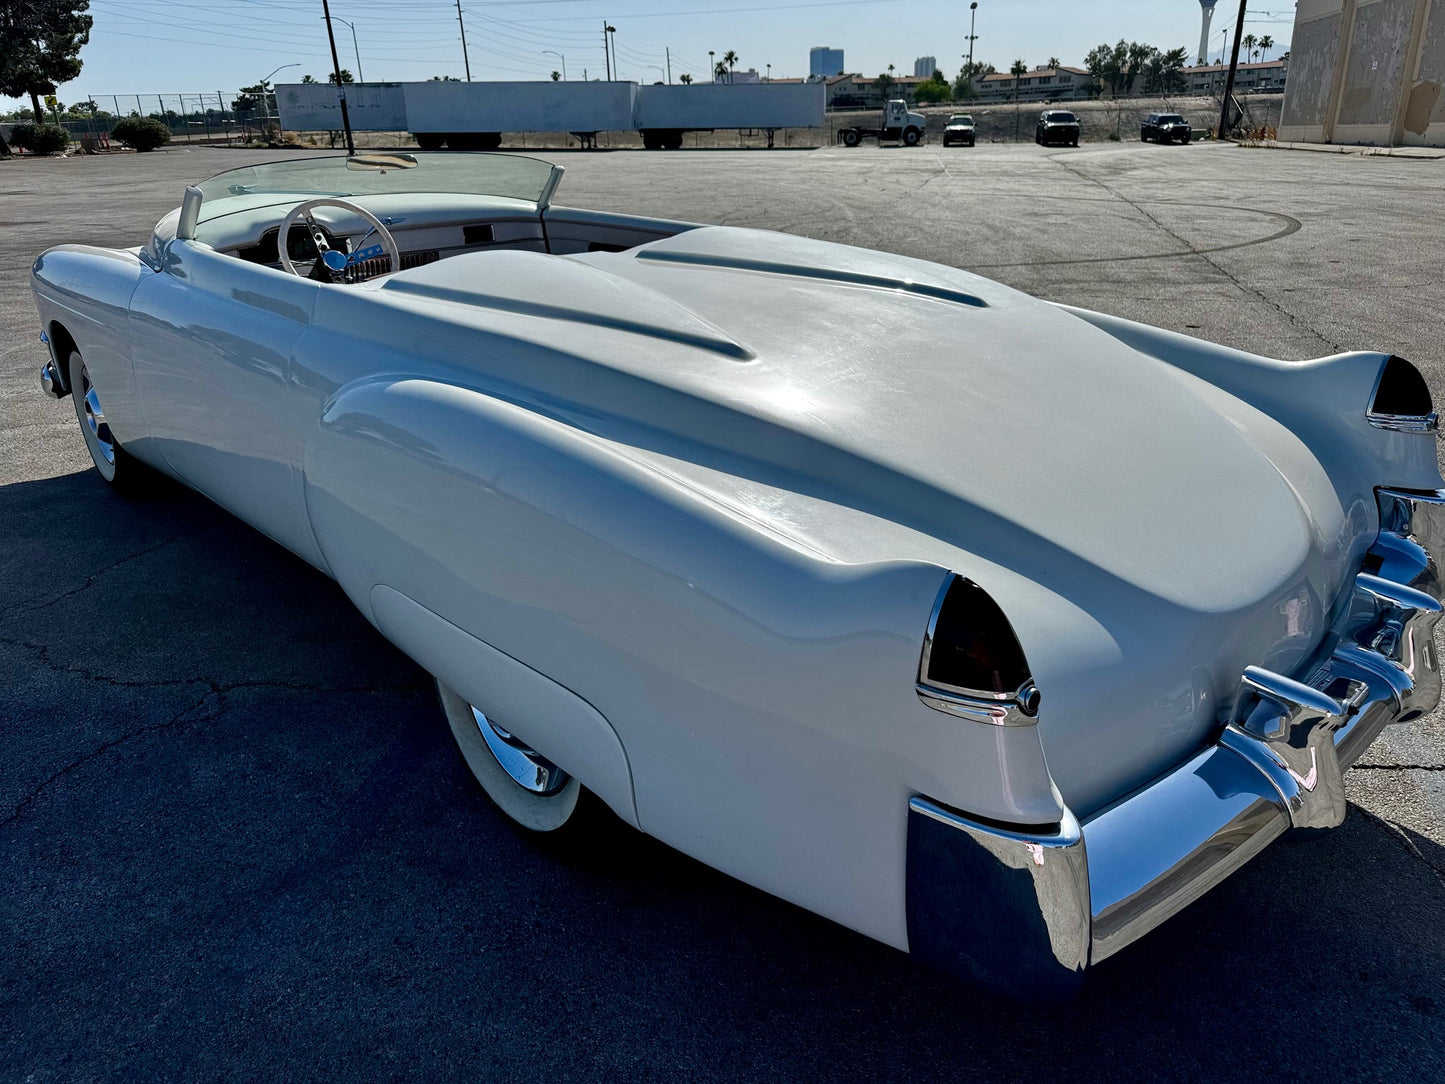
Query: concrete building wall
[[1424, 120], [1366, 71]]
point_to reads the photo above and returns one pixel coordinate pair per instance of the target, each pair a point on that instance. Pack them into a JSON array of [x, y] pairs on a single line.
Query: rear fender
[[758, 696], [1323, 401]]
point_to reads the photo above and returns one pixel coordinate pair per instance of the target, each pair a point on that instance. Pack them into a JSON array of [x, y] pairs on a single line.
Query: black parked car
[[1165, 128], [1057, 126]]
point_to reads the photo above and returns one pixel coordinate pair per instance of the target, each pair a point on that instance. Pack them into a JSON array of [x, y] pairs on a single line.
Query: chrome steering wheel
[[335, 261]]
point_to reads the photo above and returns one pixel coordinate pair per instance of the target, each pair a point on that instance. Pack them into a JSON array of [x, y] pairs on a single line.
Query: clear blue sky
[[171, 46]]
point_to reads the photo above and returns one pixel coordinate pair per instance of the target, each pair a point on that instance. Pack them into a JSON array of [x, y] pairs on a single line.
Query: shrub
[[141, 133], [40, 138]]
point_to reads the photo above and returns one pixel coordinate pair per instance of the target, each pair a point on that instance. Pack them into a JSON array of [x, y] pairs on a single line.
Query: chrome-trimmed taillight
[[1401, 399], [972, 664]]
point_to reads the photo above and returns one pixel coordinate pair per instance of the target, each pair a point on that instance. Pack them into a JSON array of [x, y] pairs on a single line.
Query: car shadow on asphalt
[[236, 838]]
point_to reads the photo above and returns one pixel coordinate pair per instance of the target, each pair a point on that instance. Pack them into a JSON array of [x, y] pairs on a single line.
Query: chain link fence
[[207, 117]]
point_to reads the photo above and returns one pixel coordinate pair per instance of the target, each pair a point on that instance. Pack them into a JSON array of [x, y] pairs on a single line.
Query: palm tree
[[1055, 63], [1017, 71], [1249, 41], [1266, 43], [730, 58], [685, 79], [719, 72]]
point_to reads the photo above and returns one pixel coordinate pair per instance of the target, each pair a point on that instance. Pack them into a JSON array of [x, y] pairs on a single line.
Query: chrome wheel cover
[[97, 431], [527, 768]]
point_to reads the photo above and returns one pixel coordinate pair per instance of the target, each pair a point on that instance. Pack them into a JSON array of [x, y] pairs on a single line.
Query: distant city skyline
[[191, 46]]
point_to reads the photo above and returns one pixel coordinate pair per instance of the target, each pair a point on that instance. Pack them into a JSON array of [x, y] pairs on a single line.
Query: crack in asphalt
[[1409, 844], [1203, 254], [1399, 767], [32, 605], [214, 689], [100, 750]]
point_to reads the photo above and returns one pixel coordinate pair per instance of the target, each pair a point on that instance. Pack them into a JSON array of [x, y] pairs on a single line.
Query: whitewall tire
[[524, 785]]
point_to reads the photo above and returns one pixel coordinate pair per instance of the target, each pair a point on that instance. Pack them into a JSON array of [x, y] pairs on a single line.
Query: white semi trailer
[[474, 116]]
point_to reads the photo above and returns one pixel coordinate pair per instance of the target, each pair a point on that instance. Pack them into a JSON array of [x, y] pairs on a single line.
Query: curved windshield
[[1170, 118], [960, 118], [1062, 118], [507, 176]]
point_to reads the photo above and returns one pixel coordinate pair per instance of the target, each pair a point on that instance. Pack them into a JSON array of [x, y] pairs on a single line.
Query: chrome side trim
[[1405, 423], [1006, 908], [983, 707]]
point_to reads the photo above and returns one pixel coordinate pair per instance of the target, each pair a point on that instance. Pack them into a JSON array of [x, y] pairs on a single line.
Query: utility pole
[[607, 48], [668, 51], [340, 86], [466, 62], [1233, 66]]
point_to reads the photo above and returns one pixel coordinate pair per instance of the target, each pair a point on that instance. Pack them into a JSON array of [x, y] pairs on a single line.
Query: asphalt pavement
[[235, 840]]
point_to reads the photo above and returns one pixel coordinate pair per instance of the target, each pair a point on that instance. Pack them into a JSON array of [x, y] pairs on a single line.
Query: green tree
[[963, 86], [1249, 41], [40, 43], [685, 79], [1163, 73], [730, 58], [444, 79], [933, 90], [1018, 70], [308, 79], [556, 76], [1116, 67], [1266, 43], [884, 85], [346, 77], [1055, 63], [254, 103], [719, 72]]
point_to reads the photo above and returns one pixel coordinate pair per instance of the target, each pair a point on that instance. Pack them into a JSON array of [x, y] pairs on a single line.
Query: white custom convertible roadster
[[994, 629]]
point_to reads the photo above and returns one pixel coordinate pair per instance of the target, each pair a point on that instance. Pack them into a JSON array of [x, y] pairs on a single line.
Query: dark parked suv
[[1057, 126], [1165, 128]]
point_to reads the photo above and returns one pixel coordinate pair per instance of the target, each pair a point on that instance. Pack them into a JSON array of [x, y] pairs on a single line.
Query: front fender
[[83, 295]]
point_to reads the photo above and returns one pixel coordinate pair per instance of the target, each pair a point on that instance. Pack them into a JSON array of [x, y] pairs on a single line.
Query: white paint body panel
[[698, 498]]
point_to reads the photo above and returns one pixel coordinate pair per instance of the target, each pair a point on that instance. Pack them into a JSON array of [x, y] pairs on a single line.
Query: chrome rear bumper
[[1030, 910]]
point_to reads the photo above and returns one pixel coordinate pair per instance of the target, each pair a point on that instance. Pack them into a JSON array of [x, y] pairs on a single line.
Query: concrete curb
[[1422, 153]]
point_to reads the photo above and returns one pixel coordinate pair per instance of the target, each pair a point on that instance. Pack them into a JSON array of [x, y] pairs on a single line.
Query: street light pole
[[972, 37], [265, 96], [668, 51], [340, 86], [553, 52], [711, 67], [356, 48]]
